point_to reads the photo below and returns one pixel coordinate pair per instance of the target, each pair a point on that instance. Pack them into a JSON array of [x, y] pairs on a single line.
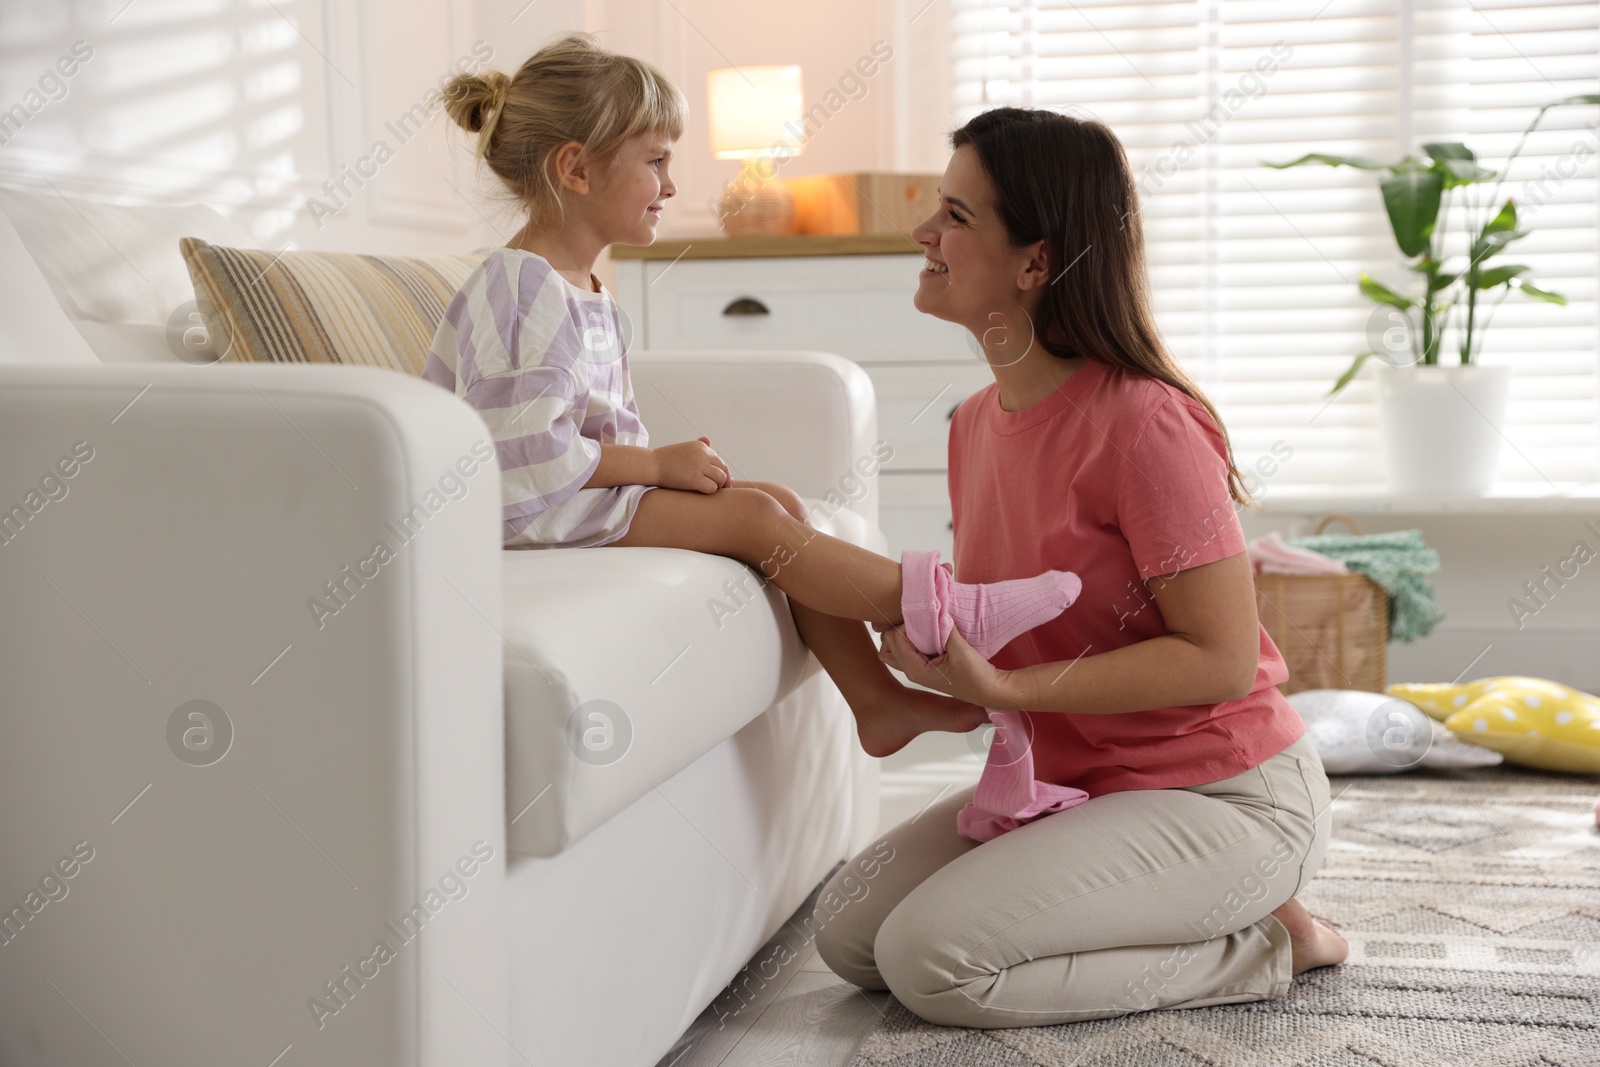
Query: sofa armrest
[[306, 559], [805, 419]]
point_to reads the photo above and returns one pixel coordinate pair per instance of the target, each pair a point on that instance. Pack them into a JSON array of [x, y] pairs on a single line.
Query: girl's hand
[[692, 465], [960, 672]]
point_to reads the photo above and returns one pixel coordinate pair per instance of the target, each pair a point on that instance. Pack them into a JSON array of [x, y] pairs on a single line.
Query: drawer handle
[[746, 305]]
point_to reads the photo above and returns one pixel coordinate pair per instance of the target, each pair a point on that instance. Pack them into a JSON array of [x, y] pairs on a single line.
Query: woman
[[1172, 884]]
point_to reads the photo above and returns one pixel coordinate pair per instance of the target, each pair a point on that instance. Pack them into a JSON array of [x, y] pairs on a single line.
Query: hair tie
[[495, 96]]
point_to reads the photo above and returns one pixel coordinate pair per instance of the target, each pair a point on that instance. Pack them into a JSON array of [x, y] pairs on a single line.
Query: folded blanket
[[1272, 555], [1397, 561]]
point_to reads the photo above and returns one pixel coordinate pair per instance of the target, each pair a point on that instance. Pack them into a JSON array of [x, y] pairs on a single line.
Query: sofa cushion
[[625, 665], [326, 307]]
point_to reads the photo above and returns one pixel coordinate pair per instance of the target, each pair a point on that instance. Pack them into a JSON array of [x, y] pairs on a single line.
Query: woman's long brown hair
[[1066, 180]]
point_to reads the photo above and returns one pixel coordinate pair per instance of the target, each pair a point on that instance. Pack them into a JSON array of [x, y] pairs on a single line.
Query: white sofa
[[407, 770]]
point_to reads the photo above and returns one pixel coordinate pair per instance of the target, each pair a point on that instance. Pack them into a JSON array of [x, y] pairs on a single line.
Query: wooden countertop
[[721, 246]]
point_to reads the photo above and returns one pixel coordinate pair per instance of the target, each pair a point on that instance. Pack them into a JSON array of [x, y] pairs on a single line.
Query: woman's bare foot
[[1316, 944], [886, 724]]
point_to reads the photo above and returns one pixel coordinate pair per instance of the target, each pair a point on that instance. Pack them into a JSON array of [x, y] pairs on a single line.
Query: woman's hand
[[692, 465], [960, 672]]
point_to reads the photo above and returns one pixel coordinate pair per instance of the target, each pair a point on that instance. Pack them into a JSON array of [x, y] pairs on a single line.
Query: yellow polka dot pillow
[[1530, 721]]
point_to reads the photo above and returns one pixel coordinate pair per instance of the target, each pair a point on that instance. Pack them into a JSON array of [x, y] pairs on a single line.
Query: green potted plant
[[1441, 422]]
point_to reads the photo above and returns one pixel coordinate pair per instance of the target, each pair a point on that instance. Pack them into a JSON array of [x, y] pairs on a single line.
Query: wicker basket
[[1333, 629]]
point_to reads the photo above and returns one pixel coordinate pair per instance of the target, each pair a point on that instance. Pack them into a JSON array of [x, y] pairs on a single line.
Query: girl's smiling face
[[976, 270], [634, 189]]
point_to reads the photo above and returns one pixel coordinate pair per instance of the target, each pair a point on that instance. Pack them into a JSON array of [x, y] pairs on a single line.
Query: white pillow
[[33, 328], [114, 263], [129, 342], [1357, 732]]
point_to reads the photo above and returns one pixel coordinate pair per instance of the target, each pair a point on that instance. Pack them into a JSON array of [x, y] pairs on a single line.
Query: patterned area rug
[[1472, 904]]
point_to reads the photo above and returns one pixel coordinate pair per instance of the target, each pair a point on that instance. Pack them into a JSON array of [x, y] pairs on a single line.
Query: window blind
[[1255, 270]]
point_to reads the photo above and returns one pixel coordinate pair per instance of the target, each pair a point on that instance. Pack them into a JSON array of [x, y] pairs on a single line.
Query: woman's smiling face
[[976, 269]]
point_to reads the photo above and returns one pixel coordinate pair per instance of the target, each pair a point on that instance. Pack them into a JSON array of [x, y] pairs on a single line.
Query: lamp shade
[[755, 111]]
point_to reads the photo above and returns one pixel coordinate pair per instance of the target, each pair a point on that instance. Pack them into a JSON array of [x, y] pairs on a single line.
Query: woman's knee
[[923, 953], [922, 976], [849, 959]]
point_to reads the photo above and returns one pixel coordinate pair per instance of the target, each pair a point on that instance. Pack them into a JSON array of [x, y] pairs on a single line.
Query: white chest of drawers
[[848, 295]]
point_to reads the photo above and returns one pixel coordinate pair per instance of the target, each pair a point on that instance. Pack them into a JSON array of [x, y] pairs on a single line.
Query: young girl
[[582, 138], [1189, 807]]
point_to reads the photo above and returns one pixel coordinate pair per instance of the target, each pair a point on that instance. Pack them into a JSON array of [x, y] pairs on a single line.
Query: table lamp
[[755, 113]]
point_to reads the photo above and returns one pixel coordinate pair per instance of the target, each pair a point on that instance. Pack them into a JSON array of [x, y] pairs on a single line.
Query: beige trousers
[[1150, 898]]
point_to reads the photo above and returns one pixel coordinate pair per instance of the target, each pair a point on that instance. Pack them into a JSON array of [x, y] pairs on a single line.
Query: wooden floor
[[807, 1016]]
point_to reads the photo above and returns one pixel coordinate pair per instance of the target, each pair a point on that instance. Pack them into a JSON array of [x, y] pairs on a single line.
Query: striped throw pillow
[[325, 307]]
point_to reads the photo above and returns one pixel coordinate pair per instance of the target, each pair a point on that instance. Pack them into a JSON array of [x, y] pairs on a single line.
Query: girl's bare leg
[[749, 525], [888, 714]]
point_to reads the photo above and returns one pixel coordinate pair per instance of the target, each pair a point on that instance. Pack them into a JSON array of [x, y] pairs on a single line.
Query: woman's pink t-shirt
[[1120, 478]]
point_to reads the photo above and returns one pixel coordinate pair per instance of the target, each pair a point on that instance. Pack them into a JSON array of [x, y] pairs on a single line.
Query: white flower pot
[[1441, 425]]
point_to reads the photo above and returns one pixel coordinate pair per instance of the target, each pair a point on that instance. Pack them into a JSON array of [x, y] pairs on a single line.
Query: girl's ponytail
[[474, 102]]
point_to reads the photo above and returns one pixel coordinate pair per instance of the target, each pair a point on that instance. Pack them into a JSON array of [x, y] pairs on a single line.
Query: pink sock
[[1008, 796], [988, 616]]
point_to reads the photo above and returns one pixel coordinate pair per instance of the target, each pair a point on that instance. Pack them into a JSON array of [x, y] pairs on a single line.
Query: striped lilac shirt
[[546, 365]]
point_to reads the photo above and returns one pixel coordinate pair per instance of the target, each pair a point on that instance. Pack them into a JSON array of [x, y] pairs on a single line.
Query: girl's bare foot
[[1316, 944], [887, 723]]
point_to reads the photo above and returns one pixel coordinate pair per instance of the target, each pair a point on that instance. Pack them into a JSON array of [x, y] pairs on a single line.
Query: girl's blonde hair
[[572, 89]]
